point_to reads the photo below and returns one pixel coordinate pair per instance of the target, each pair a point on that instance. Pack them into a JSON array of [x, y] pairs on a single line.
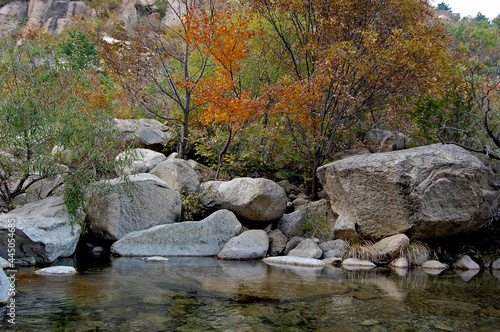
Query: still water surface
[[206, 294]]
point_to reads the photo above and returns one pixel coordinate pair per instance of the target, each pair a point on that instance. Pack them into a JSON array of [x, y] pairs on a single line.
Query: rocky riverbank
[[394, 208]]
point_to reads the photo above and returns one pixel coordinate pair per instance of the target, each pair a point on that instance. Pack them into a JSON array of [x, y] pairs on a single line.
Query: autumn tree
[[223, 98], [160, 64], [346, 61]]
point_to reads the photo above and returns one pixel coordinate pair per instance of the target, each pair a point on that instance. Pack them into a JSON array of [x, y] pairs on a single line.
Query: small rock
[[496, 265], [156, 259], [277, 242], [293, 243], [97, 251], [291, 223], [466, 263], [307, 249], [293, 260], [357, 262], [390, 247], [141, 160], [344, 229], [334, 248], [56, 270], [369, 322], [442, 327], [4, 287], [400, 263], [434, 265], [4, 264], [336, 261]]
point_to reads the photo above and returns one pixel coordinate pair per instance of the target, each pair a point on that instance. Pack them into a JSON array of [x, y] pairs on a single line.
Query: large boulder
[[147, 133], [190, 238], [140, 160], [127, 206], [178, 174], [42, 231], [251, 244], [257, 200], [425, 192]]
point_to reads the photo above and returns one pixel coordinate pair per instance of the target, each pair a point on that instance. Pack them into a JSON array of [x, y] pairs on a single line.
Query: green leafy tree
[[443, 6], [45, 103]]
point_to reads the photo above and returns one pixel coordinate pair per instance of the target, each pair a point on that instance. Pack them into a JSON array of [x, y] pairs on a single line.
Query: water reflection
[[190, 294]]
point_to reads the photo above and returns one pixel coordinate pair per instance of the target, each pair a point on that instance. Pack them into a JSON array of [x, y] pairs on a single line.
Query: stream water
[[206, 294]]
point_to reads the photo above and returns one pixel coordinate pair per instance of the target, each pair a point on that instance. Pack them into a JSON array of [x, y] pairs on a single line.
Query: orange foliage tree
[[225, 101], [159, 64], [346, 61]]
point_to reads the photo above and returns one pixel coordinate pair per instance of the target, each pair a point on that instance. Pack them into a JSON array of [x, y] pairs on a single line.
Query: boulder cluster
[[394, 199]]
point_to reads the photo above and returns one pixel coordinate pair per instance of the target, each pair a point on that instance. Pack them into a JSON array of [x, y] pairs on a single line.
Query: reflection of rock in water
[[496, 273], [466, 275]]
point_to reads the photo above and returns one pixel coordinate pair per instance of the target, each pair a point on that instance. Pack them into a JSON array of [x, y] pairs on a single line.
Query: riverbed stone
[[295, 261], [390, 247], [42, 231], [251, 244], [294, 241], [425, 192], [400, 262], [141, 160], [307, 248], [127, 207], [4, 287], [465, 262], [190, 238], [345, 228], [56, 270], [178, 174], [255, 200], [496, 264], [4, 264], [277, 242], [290, 224], [434, 265], [334, 248], [357, 262]]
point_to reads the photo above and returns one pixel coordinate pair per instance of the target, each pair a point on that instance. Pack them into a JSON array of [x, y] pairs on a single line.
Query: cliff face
[[56, 15]]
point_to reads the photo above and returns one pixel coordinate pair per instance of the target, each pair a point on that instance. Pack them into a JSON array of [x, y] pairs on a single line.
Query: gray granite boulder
[[42, 231], [291, 223], [466, 263], [425, 192], [334, 248], [307, 249], [277, 242], [141, 160], [256, 200], [390, 247], [190, 238], [147, 133], [178, 174], [251, 244], [151, 202]]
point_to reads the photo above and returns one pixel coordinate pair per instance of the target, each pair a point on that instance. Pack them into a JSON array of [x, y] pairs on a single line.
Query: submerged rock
[[357, 263], [56, 270], [295, 261], [425, 192], [42, 231], [251, 244], [190, 238]]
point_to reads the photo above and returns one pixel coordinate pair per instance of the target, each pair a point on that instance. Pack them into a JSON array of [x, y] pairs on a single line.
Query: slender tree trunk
[[223, 152]]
